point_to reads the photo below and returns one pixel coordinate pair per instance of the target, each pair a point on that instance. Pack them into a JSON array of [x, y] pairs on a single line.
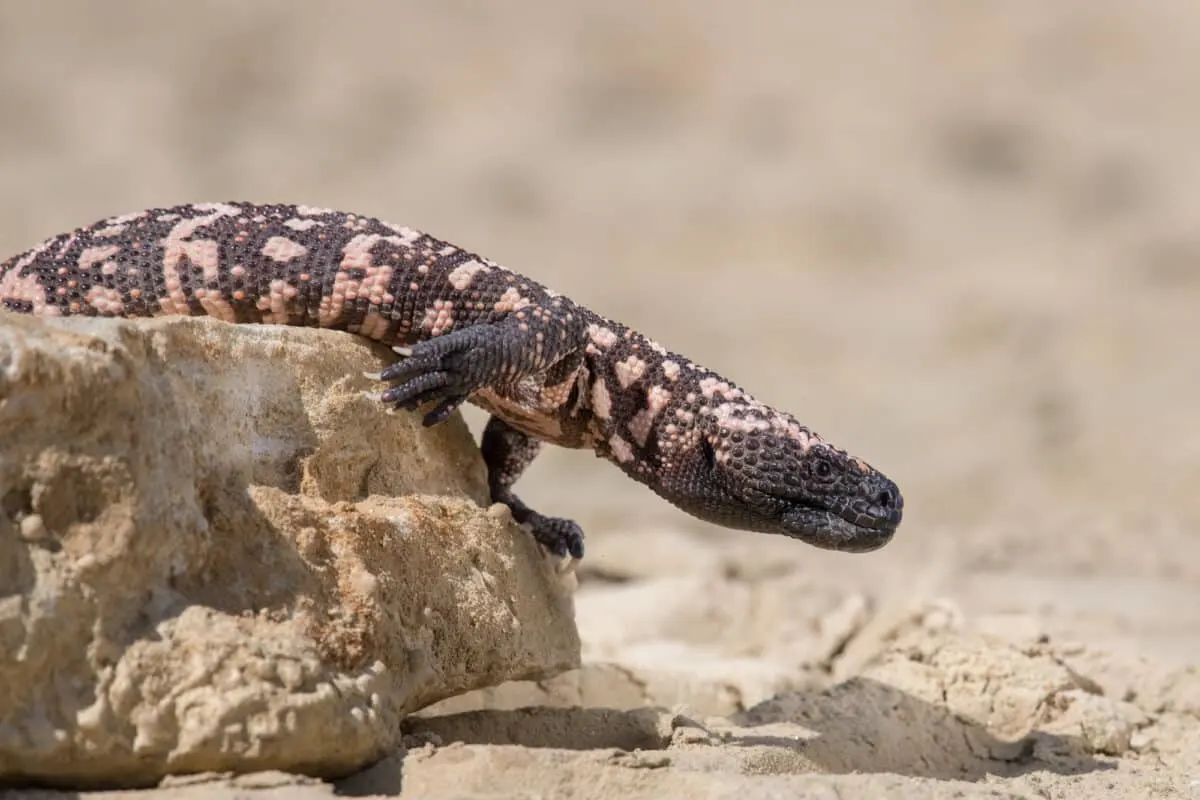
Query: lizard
[[547, 370]]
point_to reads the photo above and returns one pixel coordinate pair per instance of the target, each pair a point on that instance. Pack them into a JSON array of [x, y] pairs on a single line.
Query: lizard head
[[760, 470]]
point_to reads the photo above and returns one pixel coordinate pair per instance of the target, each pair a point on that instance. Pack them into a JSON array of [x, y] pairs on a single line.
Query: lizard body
[[547, 369]]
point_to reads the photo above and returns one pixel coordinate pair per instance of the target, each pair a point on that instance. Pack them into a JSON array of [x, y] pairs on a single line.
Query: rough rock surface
[[217, 555]]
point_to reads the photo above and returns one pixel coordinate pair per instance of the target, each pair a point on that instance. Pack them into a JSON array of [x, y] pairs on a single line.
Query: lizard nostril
[[886, 498]]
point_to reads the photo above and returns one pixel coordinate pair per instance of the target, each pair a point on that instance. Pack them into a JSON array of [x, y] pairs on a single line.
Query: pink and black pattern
[[471, 330]]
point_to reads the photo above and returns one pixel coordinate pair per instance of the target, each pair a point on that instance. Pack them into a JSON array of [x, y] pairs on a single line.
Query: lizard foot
[[560, 536], [444, 370]]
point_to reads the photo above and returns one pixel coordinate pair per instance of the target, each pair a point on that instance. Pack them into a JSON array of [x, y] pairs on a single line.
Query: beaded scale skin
[[545, 368]]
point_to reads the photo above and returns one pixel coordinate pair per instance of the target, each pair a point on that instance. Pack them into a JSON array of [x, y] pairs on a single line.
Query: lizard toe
[[417, 390], [442, 411]]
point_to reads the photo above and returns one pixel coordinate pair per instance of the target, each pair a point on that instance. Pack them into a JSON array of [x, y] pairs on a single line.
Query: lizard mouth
[[872, 517], [855, 528]]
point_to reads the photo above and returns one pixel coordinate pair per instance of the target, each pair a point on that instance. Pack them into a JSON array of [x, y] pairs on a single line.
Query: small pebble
[[33, 528]]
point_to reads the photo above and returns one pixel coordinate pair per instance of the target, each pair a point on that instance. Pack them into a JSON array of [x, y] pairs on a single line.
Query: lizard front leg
[[507, 453], [528, 362], [448, 369]]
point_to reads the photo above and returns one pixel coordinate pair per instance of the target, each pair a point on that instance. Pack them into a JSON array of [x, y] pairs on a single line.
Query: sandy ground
[[958, 238]]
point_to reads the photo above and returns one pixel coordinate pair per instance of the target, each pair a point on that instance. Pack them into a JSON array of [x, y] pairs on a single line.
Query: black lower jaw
[[885, 522], [866, 541], [869, 532]]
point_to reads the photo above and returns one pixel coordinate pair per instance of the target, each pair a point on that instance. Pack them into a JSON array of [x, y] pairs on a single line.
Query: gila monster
[[468, 329]]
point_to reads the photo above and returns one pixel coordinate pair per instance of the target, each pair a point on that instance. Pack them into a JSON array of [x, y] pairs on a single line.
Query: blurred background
[[957, 237]]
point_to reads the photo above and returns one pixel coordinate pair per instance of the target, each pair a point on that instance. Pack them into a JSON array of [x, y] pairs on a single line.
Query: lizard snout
[[880, 505]]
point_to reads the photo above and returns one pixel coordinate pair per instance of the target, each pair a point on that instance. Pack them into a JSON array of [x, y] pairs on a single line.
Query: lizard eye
[[822, 469]]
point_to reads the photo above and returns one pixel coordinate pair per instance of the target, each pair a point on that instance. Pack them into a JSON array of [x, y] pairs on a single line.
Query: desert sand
[[958, 239]]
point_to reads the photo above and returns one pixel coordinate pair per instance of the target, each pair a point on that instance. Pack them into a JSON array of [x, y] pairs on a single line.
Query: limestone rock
[[217, 555]]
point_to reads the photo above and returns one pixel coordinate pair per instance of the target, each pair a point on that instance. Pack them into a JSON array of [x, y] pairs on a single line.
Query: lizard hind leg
[[507, 453]]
